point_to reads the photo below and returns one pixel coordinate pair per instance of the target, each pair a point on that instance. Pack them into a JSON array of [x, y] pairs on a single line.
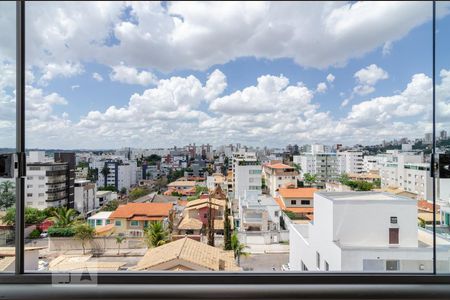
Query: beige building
[[278, 175]]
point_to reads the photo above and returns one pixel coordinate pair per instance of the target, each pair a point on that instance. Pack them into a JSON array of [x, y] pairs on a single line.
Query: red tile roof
[[279, 166], [131, 210], [297, 193]]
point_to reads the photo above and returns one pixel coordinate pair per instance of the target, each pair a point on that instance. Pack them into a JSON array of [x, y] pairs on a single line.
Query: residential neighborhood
[[231, 208]]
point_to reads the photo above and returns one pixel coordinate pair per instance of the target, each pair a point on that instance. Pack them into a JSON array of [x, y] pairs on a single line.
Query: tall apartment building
[[69, 159], [407, 171], [324, 165], [47, 183], [278, 175], [85, 196], [350, 162], [246, 171], [374, 162], [347, 236], [121, 174]]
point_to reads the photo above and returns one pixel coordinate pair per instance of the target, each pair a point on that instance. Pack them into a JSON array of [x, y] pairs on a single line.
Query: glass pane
[[222, 136], [442, 141], [7, 134]]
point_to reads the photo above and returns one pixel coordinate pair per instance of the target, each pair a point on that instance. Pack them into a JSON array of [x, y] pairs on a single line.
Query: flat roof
[[363, 196], [101, 215], [102, 193]]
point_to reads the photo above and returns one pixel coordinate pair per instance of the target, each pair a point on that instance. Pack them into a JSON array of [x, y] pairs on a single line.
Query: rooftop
[[149, 210], [182, 183], [297, 192], [363, 196], [279, 166], [101, 215]]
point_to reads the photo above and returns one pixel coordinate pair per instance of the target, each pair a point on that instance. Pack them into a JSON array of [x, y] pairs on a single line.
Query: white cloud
[[321, 87], [387, 47], [97, 76], [367, 78], [76, 86], [345, 102], [131, 75], [330, 78], [66, 69]]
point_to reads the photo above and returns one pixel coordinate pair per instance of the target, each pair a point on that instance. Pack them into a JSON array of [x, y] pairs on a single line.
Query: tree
[[7, 195], [123, 191], [105, 171], [32, 216], [310, 179], [119, 240], [84, 232], [227, 230], [156, 235], [111, 188], [210, 224], [138, 192], [297, 167], [63, 217], [238, 248], [92, 174], [111, 205]]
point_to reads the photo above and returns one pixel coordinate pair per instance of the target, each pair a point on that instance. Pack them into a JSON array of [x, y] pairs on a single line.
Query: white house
[[363, 232], [99, 219]]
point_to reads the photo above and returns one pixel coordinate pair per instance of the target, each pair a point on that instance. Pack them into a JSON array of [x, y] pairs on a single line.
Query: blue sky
[[176, 73]]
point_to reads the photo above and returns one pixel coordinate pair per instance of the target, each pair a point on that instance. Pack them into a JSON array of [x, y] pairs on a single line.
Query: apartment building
[[324, 165], [246, 170], [85, 196], [350, 162], [47, 183], [347, 236], [278, 175], [121, 173], [407, 170]]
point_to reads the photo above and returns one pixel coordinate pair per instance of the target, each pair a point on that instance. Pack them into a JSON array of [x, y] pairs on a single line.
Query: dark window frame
[[435, 284]]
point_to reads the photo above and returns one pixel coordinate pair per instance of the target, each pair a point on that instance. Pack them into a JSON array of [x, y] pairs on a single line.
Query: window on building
[[118, 223], [98, 222], [134, 223], [393, 236], [393, 220], [293, 202], [305, 202], [318, 260], [29, 194], [392, 265]]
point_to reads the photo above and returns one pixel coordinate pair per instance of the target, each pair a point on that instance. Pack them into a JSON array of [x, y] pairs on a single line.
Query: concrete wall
[[64, 244]]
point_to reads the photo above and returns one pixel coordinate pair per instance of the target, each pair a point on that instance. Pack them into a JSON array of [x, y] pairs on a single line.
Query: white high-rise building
[[350, 162], [347, 236], [324, 165], [85, 196], [246, 173]]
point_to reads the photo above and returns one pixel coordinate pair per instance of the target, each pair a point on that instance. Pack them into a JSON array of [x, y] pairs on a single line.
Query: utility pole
[[210, 232]]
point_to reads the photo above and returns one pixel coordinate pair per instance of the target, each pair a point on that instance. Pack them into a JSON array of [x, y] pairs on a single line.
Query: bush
[[61, 232], [35, 234]]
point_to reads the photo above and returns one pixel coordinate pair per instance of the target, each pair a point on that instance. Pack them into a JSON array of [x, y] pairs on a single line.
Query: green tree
[[84, 232], [32, 216], [156, 235], [110, 188], [105, 171], [238, 248], [63, 217], [111, 205], [310, 179], [123, 191], [119, 240], [7, 195], [227, 230], [92, 174], [297, 167], [138, 192], [344, 179], [153, 159]]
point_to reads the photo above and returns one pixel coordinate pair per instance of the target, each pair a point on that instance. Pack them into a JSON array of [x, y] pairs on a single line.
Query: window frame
[[298, 279]]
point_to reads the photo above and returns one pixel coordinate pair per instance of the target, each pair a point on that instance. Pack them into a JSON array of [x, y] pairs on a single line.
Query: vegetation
[[357, 185], [84, 232], [123, 191], [63, 217], [310, 179], [297, 167], [156, 235], [138, 192], [177, 194], [153, 159], [227, 230], [111, 205], [119, 240], [83, 164], [422, 223], [160, 183], [92, 174], [174, 175], [7, 195], [61, 232], [238, 248], [32, 216], [110, 188], [105, 171], [36, 233]]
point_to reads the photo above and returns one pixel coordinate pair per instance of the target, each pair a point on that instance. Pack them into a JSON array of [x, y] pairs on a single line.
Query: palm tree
[[156, 235], [105, 172], [63, 217], [297, 167], [119, 240], [5, 186], [84, 233], [238, 248]]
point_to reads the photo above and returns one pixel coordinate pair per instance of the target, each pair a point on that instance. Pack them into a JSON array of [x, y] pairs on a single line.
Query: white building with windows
[[347, 236], [350, 162], [246, 173], [324, 165], [85, 196], [278, 175]]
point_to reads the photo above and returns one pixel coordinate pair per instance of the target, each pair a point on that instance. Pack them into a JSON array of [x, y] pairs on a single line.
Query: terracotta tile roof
[[192, 253], [279, 166], [198, 202], [297, 193], [182, 202], [131, 210], [182, 183], [81, 263], [190, 223], [426, 206], [144, 218]]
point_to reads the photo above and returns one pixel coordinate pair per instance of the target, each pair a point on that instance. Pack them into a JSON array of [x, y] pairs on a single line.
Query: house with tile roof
[[187, 255], [131, 219], [182, 187], [278, 175], [297, 200]]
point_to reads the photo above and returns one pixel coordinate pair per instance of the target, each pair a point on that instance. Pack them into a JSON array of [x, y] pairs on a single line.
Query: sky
[[149, 74]]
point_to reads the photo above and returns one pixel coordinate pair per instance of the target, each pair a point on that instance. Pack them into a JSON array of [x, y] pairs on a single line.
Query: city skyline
[[198, 81]]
